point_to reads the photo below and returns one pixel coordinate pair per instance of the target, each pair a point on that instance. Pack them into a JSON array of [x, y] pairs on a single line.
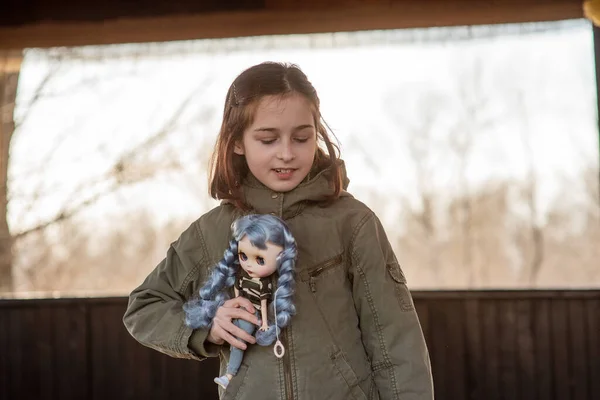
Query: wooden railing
[[514, 345]]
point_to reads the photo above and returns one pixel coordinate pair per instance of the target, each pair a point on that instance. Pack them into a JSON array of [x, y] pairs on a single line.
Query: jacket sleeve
[[389, 323], [155, 316]]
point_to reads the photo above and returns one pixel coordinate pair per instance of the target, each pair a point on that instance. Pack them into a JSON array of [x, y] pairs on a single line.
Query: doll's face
[[258, 263]]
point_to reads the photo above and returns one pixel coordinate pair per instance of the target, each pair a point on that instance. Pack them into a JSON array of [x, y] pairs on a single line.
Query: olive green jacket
[[355, 335]]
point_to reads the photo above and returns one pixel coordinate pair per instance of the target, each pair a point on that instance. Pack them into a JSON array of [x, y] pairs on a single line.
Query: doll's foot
[[222, 381]]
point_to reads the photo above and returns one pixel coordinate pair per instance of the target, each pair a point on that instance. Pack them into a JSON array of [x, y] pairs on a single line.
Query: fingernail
[[243, 347]]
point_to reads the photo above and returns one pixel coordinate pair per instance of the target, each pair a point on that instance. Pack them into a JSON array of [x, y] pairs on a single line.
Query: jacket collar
[[289, 204]]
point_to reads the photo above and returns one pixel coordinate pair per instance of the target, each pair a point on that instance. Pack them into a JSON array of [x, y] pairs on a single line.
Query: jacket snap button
[[274, 195]]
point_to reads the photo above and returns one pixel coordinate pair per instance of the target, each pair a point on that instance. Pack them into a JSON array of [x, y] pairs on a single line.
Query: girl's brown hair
[[227, 169]]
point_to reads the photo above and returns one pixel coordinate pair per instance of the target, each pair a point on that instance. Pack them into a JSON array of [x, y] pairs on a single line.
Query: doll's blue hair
[[260, 229]]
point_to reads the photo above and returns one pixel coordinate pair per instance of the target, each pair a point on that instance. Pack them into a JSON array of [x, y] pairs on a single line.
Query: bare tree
[[472, 119], [10, 63], [141, 162], [420, 141]]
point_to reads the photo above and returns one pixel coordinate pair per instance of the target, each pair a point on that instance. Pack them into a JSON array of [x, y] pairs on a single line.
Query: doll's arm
[[263, 314], [236, 292], [389, 323]]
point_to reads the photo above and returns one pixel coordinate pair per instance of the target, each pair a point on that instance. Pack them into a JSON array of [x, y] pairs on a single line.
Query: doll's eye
[[243, 256], [260, 261]]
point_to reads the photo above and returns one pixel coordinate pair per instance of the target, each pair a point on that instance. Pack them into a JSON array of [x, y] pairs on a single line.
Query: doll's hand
[[264, 327], [223, 330]]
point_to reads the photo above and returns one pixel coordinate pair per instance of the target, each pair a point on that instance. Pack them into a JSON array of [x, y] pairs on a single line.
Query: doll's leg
[[236, 355]]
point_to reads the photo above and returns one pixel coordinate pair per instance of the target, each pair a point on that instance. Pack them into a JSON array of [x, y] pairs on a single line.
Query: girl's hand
[[223, 330]]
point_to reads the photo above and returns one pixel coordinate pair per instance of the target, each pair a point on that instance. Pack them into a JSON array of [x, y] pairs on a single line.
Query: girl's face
[[258, 263], [281, 143]]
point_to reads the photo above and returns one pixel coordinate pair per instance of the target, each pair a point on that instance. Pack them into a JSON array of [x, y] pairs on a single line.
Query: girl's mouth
[[284, 173]]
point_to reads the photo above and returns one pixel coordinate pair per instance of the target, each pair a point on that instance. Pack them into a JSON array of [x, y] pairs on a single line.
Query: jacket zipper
[[319, 270], [287, 368]]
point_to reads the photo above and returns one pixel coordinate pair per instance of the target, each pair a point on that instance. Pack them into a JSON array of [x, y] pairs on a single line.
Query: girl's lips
[[284, 173]]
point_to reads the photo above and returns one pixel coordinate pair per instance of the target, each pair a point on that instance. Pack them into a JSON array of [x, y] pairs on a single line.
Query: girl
[[355, 334], [261, 245]]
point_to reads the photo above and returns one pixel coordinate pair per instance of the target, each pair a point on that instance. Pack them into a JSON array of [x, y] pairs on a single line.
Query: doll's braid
[[283, 298], [200, 312]]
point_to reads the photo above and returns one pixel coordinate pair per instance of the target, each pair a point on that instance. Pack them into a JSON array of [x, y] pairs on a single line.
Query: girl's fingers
[[240, 313], [231, 312], [240, 302], [237, 332], [229, 338]]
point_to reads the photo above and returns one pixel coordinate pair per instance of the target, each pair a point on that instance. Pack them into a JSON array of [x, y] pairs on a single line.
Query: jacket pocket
[[347, 373], [237, 382], [312, 274], [401, 290]]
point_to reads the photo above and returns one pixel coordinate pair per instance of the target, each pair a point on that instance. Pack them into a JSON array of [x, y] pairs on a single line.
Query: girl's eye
[[301, 139], [267, 141], [260, 261], [243, 256]]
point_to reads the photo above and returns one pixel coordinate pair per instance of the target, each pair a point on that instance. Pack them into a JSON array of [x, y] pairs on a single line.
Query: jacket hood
[[317, 189]]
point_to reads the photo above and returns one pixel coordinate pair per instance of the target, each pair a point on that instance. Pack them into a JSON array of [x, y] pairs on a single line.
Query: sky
[[535, 87]]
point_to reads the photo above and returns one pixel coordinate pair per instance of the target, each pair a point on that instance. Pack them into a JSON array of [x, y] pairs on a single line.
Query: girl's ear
[[238, 148]]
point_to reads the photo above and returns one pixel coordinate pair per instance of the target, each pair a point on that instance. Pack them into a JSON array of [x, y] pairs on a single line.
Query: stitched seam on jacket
[[293, 364], [378, 328], [201, 240], [382, 365], [183, 347], [357, 229], [387, 360]]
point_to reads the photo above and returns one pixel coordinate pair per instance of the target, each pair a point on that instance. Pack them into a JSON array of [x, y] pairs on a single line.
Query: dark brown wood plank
[[70, 332], [543, 349], [560, 344], [46, 350], [109, 25], [109, 374], [142, 383], [490, 340], [423, 312], [31, 11], [507, 321], [525, 352], [455, 350], [506, 294], [437, 348], [475, 357], [5, 327], [593, 359], [578, 352], [24, 371]]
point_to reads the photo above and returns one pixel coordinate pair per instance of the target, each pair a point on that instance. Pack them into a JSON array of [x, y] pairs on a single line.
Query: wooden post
[[596, 31], [10, 65]]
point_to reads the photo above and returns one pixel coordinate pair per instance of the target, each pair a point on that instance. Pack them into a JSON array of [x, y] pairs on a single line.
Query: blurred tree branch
[[10, 64]]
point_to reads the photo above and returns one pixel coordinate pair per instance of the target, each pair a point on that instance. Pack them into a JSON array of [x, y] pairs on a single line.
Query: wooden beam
[[285, 17], [596, 33]]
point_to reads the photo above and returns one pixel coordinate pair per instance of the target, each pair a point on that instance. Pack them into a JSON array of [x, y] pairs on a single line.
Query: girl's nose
[[285, 153]]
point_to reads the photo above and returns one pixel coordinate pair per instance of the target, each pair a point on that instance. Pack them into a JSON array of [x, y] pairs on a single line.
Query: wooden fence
[[514, 345]]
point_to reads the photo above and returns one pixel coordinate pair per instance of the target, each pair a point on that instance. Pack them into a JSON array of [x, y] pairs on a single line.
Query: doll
[[261, 245]]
